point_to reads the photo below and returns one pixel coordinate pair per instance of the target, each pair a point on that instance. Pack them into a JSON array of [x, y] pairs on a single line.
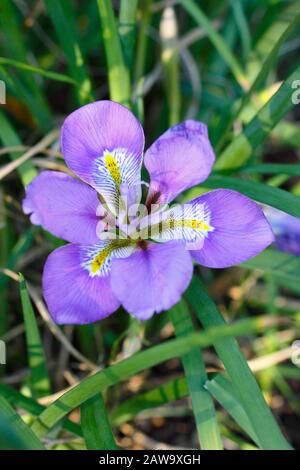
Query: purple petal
[[152, 279], [71, 294], [64, 206], [286, 229], [181, 158], [240, 229], [103, 143]]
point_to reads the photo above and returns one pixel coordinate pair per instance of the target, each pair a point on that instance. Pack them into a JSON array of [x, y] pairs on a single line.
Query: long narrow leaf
[[118, 74], [222, 390], [219, 43], [194, 367], [95, 425], [259, 128], [9, 138], [61, 14], [138, 362], [33, 407], [14, 433], [260, 416], [261, 192], [39, 375]]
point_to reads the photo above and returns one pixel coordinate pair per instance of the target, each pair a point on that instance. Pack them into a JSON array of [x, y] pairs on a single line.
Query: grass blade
[[272, 169], [39, 378], [201, 19], [10, 138], [283, 266], [259, 128], [61, 14], [260, 416], [26, 87], [60, 77], [95, 425], [241, 21], [261, 192], [170, 391], [194, 367], [118, 74], [33, 407], [263, 57], [222, 390], [118, 372], [14, 433], [127, 29]]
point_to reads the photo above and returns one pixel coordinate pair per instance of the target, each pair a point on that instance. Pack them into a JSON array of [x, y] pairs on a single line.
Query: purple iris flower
[[88, 279], [286, 229]]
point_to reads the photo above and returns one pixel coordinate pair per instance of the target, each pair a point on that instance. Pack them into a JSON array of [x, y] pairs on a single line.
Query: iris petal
[[241, 230], [63, 206], [71, 294], [103, 143], [152, 279], [181, 158]]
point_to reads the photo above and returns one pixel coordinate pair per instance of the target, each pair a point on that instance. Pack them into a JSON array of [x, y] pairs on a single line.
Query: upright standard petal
[[103, 143], [152, 279], [179, 159], [72, 294], [240, 229], [64, 206]]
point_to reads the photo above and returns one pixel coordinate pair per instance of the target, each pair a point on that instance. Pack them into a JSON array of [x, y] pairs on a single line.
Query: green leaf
[[118, 74], [14, 433], [283, 266], [263, 56], [170, 391], [242, 24], [127, 29], [259, 128], [271, 168], [18, 250], [24, 86], [202, 20], [250, 396], [194, 367], [34, 408], [61, 14], [223, 391], [10, 138], [261, 192], [118, 372], [60, 77], [95, 425], [39, 378]]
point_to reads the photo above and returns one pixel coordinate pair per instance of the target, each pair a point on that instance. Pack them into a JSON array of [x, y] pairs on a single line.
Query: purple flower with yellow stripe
[[148, 265]]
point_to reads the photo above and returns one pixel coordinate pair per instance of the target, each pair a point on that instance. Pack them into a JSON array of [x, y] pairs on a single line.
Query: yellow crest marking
[[102, 256], [113, 168], [189, 223]]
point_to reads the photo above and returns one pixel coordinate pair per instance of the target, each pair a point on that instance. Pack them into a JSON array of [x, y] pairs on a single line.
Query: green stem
[[127, 29], [170, 62]]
